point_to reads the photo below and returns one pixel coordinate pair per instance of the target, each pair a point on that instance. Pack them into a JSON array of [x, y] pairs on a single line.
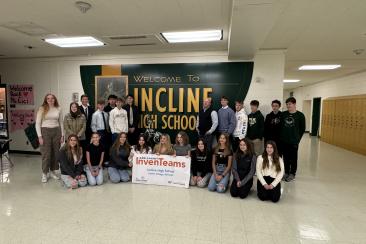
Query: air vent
[[137, 44], [127, 37]]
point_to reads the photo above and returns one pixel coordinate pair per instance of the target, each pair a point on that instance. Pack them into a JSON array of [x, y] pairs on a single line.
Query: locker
[[344, 122]]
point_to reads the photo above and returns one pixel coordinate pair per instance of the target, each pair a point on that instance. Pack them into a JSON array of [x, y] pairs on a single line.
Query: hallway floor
[[325, 204]]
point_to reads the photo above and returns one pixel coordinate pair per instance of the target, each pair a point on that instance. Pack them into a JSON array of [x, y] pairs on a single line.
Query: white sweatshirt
[[270, 171], [241, 124], [118, 120]]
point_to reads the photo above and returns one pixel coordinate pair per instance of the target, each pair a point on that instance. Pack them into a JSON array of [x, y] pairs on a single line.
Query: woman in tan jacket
[[75, 122]]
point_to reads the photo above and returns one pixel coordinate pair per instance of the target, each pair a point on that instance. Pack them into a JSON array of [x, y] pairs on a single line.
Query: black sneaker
[[291, 177], [285, 176]]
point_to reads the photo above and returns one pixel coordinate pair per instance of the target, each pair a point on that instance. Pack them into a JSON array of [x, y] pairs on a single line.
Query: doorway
[[315, 117]]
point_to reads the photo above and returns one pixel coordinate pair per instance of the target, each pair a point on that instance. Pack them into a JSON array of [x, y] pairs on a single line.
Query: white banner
[[161, 170]]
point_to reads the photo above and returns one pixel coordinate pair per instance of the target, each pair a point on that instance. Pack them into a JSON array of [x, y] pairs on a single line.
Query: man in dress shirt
[[100, 125]]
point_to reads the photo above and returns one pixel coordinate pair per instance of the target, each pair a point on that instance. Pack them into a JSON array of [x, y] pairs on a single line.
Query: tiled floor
[[326, 204]]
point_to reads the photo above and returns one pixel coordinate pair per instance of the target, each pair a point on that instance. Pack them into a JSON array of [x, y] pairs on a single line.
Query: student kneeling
[[243, 169], [119, 167], [70, 158], [221, 165], [270, 171]]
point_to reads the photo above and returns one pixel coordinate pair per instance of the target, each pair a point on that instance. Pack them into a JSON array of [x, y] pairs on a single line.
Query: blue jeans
[[219, 186], [118, 175], [67, 181], [94, 180]]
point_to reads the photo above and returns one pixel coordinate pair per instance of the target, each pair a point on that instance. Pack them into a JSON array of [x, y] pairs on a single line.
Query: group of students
[[285, 128], [96, 137]]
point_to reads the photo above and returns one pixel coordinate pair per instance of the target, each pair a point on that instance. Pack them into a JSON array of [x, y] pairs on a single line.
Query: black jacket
[[136, 115], [88, 130], [68, 167]]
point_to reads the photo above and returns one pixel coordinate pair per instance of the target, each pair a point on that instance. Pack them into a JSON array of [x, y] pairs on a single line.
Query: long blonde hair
[[168, 145], [45, 107]]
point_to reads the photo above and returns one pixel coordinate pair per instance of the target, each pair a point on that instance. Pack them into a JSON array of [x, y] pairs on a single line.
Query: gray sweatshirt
[[227, 120]]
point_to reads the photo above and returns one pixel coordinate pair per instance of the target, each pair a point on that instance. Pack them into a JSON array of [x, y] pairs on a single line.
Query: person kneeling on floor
[[70, 158], [270, 170]]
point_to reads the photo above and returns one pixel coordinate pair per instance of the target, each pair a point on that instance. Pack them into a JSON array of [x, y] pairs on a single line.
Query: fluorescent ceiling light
[[193, 36], [82, 41], [320, 67], [290, 81]]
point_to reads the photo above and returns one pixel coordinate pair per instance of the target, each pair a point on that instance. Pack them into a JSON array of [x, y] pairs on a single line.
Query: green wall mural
[[172, 94]]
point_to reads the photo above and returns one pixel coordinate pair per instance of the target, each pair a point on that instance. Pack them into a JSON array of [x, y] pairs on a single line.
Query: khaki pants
[[50, 148]]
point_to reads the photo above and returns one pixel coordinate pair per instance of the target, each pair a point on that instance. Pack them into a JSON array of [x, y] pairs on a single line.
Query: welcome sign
[[161, 170], [172, 94]]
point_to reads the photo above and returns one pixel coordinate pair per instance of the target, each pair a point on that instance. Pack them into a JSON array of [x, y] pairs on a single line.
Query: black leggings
[[241, 191], [273, 195]]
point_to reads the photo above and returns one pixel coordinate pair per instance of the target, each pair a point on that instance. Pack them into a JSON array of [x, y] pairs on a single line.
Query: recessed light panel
[[193, 36], [82, 41]]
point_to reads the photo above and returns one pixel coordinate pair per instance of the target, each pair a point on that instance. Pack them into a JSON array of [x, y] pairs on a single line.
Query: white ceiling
[[312, 31]]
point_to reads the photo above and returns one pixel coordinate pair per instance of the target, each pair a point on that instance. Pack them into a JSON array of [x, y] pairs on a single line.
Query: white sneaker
[[44, 178], [54, 175]]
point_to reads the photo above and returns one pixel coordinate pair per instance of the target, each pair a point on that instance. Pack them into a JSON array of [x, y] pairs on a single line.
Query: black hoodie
[[272, 127], [255, 125]]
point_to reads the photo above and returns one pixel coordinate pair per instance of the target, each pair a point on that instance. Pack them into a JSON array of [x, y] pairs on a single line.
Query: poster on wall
[[108, 85], [20, 119], [21, 94], [161, 170], [170, 96]]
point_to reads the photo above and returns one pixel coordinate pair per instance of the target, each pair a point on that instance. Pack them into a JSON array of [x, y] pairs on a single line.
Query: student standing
[[201, 164], [88, 113], [133, 115], [119, 167], [256, 127], [100, 125], [70, 158], [112, 99], [75, 122], [243, 169], [118, 121], [50, 130], [241, 124], [227, 119], [94, 158], [164, 147], [182, 146], [140, 148], [221, 165], [272, 123], [207, 122], [292, 130], [270, 171]]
